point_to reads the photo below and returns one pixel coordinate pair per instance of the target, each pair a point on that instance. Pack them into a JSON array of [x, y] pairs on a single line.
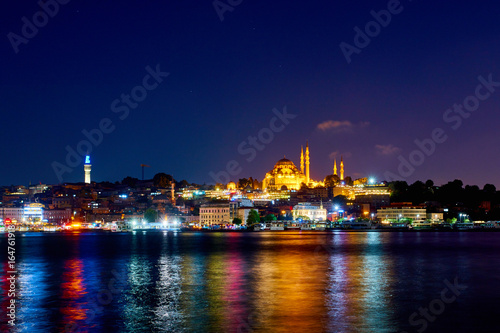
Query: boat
[[425, 225], [487, 225], [394, 225], [306, 227], [277, 226], [293, 226], [464, 225], [320, 227], [357, 225]]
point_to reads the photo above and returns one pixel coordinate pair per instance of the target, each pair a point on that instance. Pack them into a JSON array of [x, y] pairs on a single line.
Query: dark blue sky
[[226, 77]]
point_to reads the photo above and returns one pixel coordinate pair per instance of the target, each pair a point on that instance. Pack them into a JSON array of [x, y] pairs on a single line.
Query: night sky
[[226, 77]]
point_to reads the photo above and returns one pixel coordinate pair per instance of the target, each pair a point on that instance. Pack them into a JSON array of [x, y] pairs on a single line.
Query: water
[[255, 282]]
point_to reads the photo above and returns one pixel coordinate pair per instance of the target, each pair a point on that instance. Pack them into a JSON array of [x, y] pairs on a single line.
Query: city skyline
[[214, 84]]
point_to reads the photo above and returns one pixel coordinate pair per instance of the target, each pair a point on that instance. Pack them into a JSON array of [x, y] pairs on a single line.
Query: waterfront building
[[12, 213], [215, 214], [57, 215], [239, 207], [435, 217], [402, 211], [33, 212], [307, 209]]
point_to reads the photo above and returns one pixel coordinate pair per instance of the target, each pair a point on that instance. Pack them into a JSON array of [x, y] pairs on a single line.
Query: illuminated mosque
[[286, 176]]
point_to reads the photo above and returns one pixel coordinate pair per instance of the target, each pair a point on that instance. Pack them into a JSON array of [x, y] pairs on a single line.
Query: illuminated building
[[435, 217], [240, 207], [87, 167], [375, 195], [231, 186], [215, 214], [345, 190], [286, 176], [57, 215], [306, 209], [15, 214], [33, 212], [402, 211]]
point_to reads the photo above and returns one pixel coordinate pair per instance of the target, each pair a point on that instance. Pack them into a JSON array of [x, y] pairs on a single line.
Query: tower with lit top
[[307, 163], [302, 159], [335, 167], [87, 167], [341, 168]]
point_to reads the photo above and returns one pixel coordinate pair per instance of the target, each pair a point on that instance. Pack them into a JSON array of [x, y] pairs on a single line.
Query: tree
[[130, 181], [416, 192], [150, 215], [270, 217], [253, 217], [183, 183], [162, 180], [489, 188], [331, 180], [243, 183], [399, 191], [237, 221]]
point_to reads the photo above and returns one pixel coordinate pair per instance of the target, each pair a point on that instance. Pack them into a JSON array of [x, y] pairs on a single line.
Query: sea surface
[[337, 281]]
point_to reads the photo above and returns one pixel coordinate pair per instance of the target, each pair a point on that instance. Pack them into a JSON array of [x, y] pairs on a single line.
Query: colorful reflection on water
[[72, 294], [248, 282]]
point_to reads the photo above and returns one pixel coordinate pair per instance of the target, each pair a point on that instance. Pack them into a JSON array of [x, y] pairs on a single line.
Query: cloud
[[340, 126], [387, 149]]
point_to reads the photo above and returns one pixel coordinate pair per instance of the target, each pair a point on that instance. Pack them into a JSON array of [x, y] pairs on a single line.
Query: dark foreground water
[[255, 282]]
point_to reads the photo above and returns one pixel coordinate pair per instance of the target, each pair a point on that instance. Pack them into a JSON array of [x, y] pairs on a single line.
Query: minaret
[[302, 159], [87, 167], [335, 167], [341, 168], [307, 163], [172, 192]]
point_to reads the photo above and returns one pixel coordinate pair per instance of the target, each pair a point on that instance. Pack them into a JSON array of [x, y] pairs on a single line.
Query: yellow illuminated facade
[[286, 176]]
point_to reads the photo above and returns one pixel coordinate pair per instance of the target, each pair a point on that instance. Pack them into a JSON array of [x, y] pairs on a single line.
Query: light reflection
[[290, 285], [168, 287], [378, 281], [73, 290], [216, 283], [236, 281], [362, 276], [4, 283], [33, 272], [138, 299], [193, 296]]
